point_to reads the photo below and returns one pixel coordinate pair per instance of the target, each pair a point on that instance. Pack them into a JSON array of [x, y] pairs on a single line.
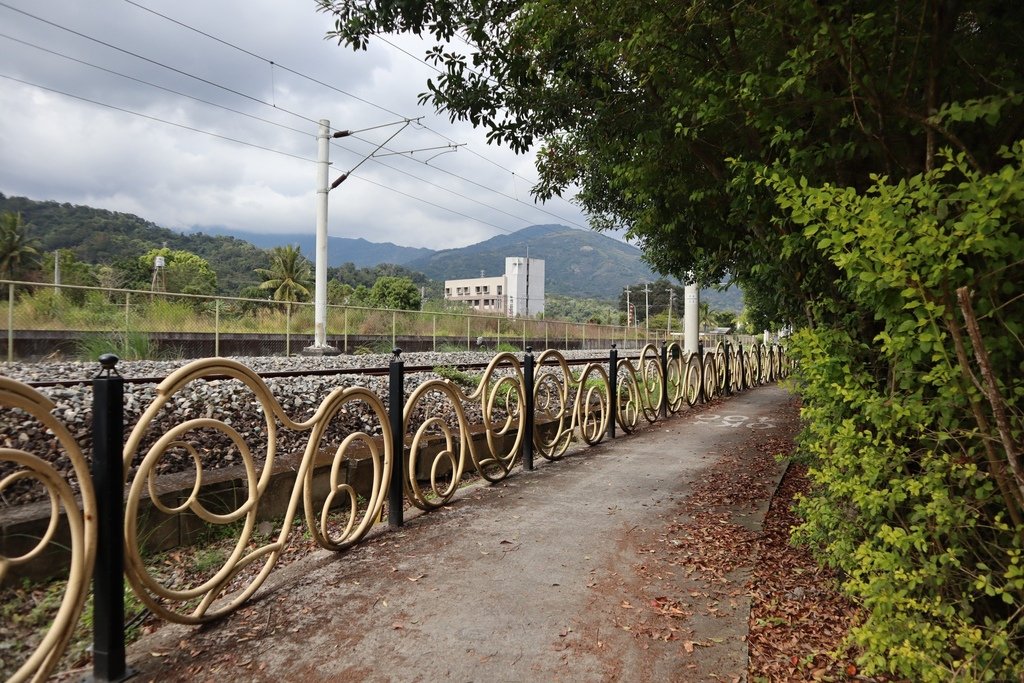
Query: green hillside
[[578, 263], [99, 236]]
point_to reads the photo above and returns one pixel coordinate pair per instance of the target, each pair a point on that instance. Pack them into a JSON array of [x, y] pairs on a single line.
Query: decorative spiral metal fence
[[541, 405], [79, 516]]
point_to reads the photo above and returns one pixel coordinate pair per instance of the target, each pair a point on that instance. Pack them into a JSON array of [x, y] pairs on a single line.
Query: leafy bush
[[914, 432]]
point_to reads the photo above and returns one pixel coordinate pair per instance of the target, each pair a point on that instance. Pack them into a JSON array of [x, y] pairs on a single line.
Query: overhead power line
[[247, 144], [257, 118], [154, 85], [381, 107], [157, 119]]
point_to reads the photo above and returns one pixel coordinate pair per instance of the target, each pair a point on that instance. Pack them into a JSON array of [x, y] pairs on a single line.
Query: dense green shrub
[[918, 496]]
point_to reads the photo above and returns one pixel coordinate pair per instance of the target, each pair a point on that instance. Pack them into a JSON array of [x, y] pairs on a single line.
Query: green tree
[[72, 271], [19, 250], [290, 275], [184, 271], [395, 292], [857, 166], [338, 294], [663, 112]]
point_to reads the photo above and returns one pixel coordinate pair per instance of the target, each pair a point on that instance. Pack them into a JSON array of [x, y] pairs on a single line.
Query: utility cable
[[249, 144], [156, 63], [157, 119], [312, 79], [154, 85], [240, 94], [277, 65]]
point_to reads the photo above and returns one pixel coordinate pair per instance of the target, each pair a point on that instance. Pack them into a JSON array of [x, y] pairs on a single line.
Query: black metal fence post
[[664, 379], [108, 480], [613, 388], [396, 409], [743, 363], [700, 356], [728, 368], [528, 409]]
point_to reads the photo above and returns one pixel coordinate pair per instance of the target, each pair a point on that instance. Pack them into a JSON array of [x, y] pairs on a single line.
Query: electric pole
[[647, 312], [628, 317], [691, 305], [671, 298], [323, 143], [320, 346]]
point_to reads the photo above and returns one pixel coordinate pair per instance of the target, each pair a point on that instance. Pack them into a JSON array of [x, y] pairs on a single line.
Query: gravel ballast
[[227, 400]]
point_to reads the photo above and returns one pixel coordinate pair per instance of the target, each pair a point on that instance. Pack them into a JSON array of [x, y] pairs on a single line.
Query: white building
[[519, 292]]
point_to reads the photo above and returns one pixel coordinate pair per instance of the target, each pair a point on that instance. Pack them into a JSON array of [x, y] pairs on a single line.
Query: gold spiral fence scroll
[[710, 370], [650, 377], [160, 588], [501, 398], [691, 378], [676, 374], [565, 402], [628, 403], [735, 367], [720, 367], [21, 466]]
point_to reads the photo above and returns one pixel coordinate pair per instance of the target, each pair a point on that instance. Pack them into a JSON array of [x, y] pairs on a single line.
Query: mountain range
[[578, 263], [362, 253]]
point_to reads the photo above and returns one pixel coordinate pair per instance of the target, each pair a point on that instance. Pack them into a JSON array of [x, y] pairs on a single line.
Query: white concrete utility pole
[[671, 298], [647, 312], [323, 142], [627, 307], [691, 314], [320, 346]]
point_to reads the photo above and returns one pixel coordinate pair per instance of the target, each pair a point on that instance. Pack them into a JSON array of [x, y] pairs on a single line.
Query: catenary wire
[[247, 144], [157, 119], [257, 118], [268, 104], [356, 97], [259, 101], [154, 85]]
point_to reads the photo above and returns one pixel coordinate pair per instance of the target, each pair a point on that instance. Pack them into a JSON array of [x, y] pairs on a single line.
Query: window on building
[[447, 291], [499, 290]]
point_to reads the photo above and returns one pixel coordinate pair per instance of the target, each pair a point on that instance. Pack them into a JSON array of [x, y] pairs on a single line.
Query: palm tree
[[289, 274], [18, 249], [705, 316]]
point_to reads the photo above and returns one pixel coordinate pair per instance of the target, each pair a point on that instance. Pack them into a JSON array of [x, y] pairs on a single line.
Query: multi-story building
[[519, 292]]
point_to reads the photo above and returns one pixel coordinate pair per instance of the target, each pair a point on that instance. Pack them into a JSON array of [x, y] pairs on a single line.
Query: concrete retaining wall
[[223, 491]]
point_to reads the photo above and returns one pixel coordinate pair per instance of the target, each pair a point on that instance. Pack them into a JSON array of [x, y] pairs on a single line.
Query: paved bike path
[[526, 580]]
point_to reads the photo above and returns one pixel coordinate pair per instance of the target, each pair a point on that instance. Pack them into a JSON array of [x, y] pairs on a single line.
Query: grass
[[26, 613], [127, 346], [463, 379]]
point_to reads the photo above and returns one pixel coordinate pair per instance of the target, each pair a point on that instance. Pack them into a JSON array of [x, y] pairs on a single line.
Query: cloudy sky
[[116, 147]]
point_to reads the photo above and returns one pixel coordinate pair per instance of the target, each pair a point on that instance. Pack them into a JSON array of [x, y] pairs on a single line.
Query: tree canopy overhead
[[858, 165], [664, 113]]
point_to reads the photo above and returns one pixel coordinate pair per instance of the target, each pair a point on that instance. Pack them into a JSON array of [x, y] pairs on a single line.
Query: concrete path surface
[[558, 574]]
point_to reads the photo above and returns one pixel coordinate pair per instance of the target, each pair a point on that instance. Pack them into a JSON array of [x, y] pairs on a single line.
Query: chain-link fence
[[50, 321]]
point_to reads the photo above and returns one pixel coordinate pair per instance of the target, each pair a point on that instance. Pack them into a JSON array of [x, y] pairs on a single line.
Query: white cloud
[[55, 147]]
